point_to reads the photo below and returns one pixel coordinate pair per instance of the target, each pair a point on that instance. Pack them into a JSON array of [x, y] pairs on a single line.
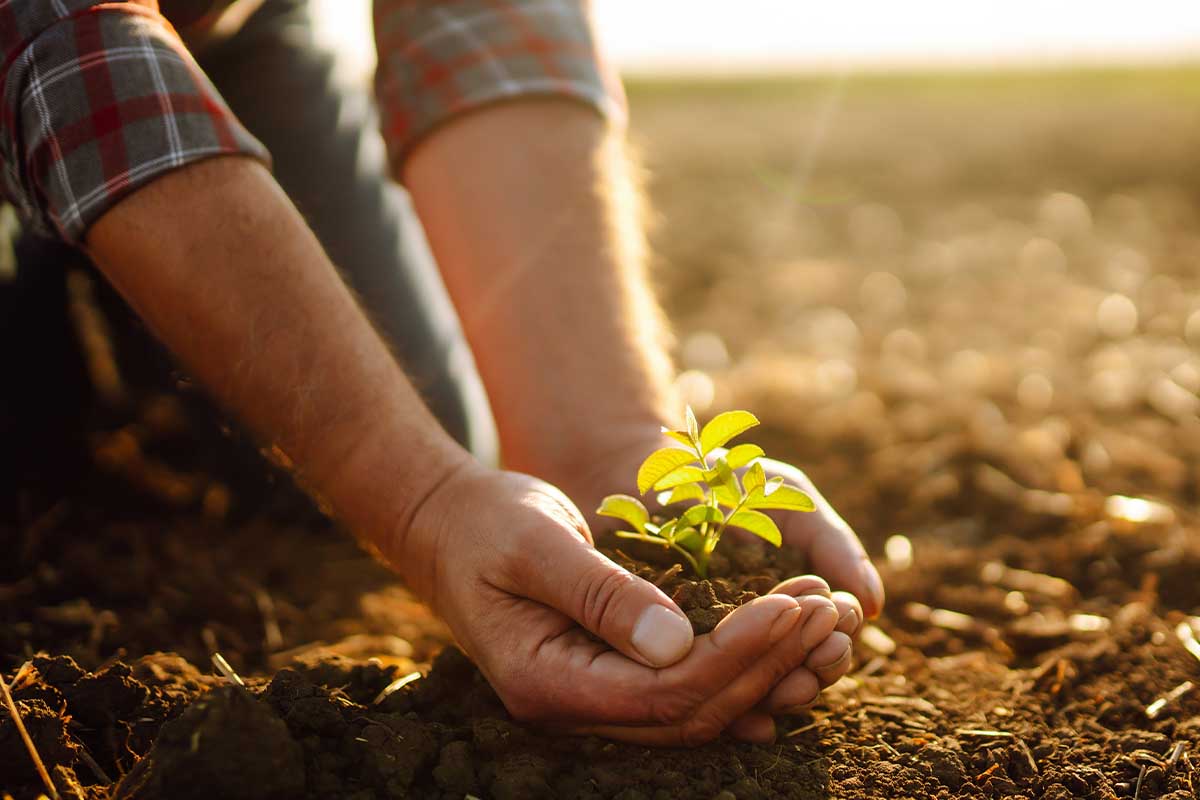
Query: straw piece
[[395, 686], [33, 753]]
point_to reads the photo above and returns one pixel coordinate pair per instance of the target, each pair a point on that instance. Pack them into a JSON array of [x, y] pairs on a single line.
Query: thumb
[[631, 614]]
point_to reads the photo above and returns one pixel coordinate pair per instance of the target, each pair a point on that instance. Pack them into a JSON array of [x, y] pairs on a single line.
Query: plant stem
[[658, 540]]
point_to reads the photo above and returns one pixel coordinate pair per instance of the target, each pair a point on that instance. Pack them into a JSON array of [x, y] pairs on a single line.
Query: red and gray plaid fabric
[[438, 59], [100, 98]]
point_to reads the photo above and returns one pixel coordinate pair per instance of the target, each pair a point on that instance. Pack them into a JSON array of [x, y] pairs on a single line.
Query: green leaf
[[722, 476], [770, 486], [684, 491], [690, 539], [785, 497], [668, 529], [759, 524], [679, 436], [680, 476], [693, 428], [754, 478], [697, 515], [742, 455], [727, 496], [660, 463], [652, 529], [723, 427], [627, 508]]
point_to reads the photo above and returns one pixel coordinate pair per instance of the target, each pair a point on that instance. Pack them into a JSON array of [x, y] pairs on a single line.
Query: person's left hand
[[843, 570]]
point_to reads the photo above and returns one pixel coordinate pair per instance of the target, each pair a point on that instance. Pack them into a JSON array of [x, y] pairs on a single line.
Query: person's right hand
[[509, 563]]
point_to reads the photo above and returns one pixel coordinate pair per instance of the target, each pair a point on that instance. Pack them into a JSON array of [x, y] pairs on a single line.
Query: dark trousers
[[321, 129]]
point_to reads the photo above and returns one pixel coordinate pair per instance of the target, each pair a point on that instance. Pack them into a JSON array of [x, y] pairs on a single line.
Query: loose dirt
[[986, 359]]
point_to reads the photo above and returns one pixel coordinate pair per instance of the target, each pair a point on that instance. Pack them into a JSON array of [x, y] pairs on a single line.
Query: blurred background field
[[966, 301], [1003, 266]]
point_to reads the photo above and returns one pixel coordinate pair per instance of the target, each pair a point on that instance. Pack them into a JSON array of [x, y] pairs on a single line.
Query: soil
[[1017, 461]]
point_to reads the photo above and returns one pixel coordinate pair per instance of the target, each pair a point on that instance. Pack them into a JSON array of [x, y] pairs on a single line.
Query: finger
[[794, 693], [832, 545], [579, 681], [850, 613], [830, 659], [803, 585], [755, 727], [743, 693], [564, 572]]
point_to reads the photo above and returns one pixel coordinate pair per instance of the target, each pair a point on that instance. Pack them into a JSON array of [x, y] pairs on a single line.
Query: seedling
[[701, 474]]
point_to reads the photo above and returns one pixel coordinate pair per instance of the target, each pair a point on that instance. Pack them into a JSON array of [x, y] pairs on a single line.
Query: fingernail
[[785, 623], [874, 584], [849, 621], [661, 636]]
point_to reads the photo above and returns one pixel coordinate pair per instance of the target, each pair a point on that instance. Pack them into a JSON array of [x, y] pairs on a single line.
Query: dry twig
[[980, 733], [1188, 639], [1156, 708], [819, 723], [1173, 759], [33, 753], [1033, 765], [669, 573], [229, 674], [395, 686]]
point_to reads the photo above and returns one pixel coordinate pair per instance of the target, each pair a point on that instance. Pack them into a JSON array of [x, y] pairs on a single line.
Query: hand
[[830, 545], [510, 565]]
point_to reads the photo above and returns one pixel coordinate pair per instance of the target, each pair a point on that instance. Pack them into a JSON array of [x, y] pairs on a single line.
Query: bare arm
[[219, 263], [531, 210], [533, 213]]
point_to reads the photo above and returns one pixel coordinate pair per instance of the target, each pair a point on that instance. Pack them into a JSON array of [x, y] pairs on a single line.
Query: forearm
[[533, 214], [221, 266]]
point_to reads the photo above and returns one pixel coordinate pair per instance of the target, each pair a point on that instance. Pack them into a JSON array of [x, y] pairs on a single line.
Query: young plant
[[720, 497]]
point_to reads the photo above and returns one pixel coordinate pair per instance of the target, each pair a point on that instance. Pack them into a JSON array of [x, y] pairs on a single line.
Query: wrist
[[384, 480], [610, 465]]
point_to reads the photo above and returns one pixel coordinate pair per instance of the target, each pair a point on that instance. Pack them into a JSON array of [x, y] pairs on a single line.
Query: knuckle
[[672, 707], [599, 591], [701, 729]]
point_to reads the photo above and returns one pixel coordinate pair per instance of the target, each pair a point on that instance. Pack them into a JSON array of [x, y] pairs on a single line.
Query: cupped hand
[[846, 575], [569, 639]]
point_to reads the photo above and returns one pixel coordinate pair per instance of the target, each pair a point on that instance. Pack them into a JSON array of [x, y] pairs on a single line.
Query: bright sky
[[719, 35]]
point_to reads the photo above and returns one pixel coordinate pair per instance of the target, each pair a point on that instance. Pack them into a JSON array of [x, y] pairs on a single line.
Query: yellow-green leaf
[[759, 524], [722, 475], [678, 477], [697, 515], [770, 486], [693, 427], [626, 508], [723, 427], [684, 491], [754, 478], [784, 497], [668, 529], [661, 463], [679, 436], [742, 455], [690, 539], [726, 496]]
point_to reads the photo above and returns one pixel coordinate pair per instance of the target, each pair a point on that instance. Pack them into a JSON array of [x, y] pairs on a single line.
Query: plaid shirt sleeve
[[440, 58], [99, 98]]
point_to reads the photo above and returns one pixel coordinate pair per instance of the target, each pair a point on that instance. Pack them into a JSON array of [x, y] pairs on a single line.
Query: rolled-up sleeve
[[441, 58], [100, 98]]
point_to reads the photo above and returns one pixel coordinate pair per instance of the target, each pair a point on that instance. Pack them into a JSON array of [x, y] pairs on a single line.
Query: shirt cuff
[[99, 102], [441, 59]]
